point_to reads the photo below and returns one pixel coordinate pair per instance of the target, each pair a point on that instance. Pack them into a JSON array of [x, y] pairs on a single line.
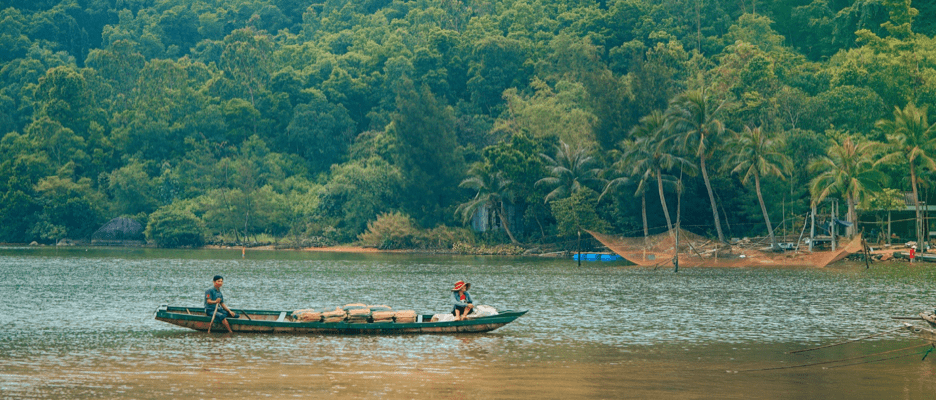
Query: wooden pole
[[812, 230], [834, 224], [889, 228], [802, 232], [213, 316], [923, 235], [678, 219]]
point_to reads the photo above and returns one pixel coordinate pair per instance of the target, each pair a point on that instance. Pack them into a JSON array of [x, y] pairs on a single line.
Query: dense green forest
[[393, 122]]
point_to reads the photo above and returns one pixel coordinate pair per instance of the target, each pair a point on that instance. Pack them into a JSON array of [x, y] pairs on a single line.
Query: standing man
[[213, 297], [912, 252]]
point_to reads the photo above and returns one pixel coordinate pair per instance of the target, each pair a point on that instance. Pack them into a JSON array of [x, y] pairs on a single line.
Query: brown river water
[[78, 323]]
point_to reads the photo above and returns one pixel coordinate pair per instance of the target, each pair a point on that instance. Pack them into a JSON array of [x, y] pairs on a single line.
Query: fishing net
[[694, 250]]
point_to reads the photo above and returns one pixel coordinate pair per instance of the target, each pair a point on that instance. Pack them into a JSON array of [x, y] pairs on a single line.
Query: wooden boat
[[929, 318], [268, 321], [926, 333]]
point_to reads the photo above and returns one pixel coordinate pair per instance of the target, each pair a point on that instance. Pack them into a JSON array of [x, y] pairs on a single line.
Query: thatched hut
[[119, 231]]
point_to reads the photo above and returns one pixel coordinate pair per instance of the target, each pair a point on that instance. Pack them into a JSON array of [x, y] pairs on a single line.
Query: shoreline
[[887, 254], [329, 249]]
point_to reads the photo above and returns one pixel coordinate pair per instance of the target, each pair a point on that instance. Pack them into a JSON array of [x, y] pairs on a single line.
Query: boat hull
[[267, 321]]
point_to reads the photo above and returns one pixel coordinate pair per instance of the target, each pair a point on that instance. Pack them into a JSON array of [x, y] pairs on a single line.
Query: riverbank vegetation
[[420, 124]]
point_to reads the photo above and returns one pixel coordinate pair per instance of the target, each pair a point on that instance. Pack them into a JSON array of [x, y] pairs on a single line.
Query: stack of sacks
[[358, 315], [307, 315], [334, 316], [405, 316], [382, 316]]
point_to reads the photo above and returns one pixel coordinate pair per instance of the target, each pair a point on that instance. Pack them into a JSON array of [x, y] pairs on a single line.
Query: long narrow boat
[[925, 333], [268, 321]]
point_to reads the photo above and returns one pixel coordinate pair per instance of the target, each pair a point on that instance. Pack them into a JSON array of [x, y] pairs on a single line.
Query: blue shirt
[[215, 294], [457, 302]]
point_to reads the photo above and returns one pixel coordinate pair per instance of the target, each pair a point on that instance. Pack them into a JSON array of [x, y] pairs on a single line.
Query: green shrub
[[445, 237], [390, 231], [170, 227], [483, 249]]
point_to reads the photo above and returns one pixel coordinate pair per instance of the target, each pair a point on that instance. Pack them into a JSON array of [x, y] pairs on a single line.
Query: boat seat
[[282, 317]]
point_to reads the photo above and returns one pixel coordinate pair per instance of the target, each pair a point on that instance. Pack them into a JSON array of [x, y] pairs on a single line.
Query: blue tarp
[[597, 257]]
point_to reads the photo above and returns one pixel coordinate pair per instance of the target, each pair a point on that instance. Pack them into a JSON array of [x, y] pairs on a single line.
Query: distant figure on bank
[[213, 297], [461, 300], [912, 253]]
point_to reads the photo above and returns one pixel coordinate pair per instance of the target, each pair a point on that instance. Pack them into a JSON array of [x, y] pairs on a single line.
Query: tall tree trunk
[[669, 223], [763, 207], [504, 218], [852, 216], [711, 196], [643, 213], [916, 202]]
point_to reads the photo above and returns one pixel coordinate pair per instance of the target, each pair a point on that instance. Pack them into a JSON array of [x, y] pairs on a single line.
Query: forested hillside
[[393, 122]]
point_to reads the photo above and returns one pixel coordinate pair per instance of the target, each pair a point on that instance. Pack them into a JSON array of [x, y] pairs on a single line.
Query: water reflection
[[79, 323]]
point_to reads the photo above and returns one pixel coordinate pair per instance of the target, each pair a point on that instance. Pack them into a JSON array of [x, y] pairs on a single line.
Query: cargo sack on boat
[[353, 306], [447, 317], [383, 316], [483, 311], [295, 314], [359, 315], [337, 315], [308, 316], [379, 308], [405, 316]]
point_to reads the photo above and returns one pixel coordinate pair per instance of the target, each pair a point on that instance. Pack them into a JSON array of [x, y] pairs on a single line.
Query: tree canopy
[[246, 121]]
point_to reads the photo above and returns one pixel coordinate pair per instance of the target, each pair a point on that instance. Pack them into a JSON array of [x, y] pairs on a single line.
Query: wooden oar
[[245, 314], [213, 316], [911, 318]]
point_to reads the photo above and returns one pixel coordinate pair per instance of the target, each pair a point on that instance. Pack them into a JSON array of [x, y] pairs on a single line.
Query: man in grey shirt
[[213, 297]]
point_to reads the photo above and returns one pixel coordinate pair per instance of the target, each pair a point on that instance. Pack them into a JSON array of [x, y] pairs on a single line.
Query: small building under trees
[[119, 231], [485, 219]]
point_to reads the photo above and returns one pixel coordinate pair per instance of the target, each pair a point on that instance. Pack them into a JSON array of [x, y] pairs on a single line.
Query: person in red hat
[[462, 304]]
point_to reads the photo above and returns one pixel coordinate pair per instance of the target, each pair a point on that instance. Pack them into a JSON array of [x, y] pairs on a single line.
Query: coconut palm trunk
[[504, 218], [916, 203], [643, 214], [852, 215], [711, 195], [669, 222], [763, 207]]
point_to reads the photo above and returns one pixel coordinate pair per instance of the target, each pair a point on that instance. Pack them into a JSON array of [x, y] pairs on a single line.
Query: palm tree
[[755, 154], [648, 155], [695, 116], [911, 138], [847, 168], [571, 170], [493, 191]]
